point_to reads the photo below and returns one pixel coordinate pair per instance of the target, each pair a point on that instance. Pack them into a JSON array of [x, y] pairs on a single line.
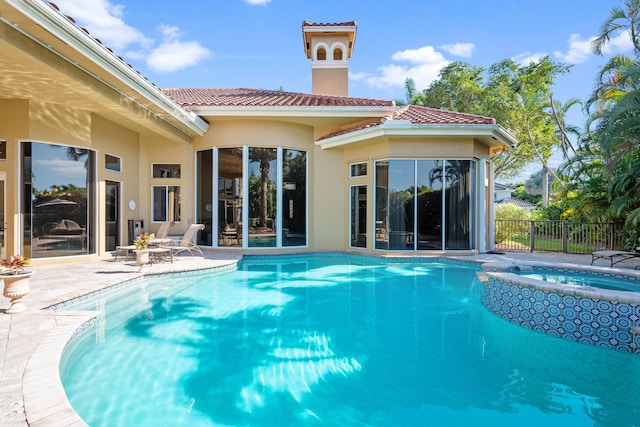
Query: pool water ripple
[[346, 341]]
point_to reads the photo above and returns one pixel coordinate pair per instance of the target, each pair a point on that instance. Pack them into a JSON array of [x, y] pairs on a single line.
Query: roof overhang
[[500, 137], [309, 30], [97, 61]]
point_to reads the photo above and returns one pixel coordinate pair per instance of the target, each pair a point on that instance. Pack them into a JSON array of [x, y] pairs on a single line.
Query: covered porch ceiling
[[52, 68]]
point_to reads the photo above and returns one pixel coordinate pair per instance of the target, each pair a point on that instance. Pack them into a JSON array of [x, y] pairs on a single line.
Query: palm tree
[[620, 20], [263, 156]]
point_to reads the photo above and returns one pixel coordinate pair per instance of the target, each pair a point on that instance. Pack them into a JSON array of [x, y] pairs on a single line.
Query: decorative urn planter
[[142, 253], [142, 257], [16, 286]]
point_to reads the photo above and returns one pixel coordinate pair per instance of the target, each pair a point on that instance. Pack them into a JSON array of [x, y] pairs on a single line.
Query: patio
[[31, 342]]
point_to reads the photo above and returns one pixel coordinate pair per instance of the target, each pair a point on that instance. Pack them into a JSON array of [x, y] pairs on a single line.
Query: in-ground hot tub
[[606, 316]]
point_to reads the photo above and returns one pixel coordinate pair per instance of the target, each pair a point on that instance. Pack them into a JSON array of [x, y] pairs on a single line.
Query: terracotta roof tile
[[422, 116], [334, 24], [242, 97]]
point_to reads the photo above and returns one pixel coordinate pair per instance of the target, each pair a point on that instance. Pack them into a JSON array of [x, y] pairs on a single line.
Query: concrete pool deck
[[31, 342]]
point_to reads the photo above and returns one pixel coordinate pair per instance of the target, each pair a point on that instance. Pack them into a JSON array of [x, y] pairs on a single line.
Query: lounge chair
[[187, 243], [162, 235], [614, 257]]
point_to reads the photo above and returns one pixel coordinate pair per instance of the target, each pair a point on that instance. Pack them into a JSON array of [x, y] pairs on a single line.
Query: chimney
[[329, 47]]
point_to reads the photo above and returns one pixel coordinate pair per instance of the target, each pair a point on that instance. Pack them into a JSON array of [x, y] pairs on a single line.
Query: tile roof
[[242, 97], [422, 116], [502, 187], [517, 202], [432, 116], [334, 24]]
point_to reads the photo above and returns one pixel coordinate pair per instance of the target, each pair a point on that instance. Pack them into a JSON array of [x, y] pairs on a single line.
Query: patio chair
[[187, 243], [614, 257], [161, 236]]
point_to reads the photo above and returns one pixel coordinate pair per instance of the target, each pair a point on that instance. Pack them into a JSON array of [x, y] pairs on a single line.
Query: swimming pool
[[333, 340], [578, 279]]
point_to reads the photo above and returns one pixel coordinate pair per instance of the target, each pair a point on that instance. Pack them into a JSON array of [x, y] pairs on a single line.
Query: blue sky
[[258, 43]]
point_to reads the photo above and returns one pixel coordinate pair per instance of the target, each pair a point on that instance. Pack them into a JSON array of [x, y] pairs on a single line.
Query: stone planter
[[16, 286], [142, 257]]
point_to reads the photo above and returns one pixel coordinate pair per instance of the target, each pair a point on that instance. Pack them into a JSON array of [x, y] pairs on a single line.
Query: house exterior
[[94, 153], [501, 192]]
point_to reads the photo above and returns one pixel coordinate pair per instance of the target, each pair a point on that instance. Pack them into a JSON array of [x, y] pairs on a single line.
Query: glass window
[[166, 170], [359, 216], [204, 196], [429, 235], [166, 203], [294, 198], [399, 218], [58, 194], [394, 204], [444, 219], [229, 196], [459, 206], [112, 163], [358, 169], [262, 197]]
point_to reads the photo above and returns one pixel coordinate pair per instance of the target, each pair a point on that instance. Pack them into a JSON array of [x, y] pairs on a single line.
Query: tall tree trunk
[[545, 187]]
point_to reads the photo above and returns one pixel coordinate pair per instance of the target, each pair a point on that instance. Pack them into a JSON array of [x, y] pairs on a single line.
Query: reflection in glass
[[58, 198], [294, 198], [204, 195], [447, 218], [395, 219], [382, 191], [459, 205], [166, 203], [229, 197], [359, 216], [262, 197], [112, 215], [429, 205]]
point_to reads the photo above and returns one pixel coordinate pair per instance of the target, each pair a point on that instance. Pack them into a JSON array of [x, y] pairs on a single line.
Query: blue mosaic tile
[[603, 323]]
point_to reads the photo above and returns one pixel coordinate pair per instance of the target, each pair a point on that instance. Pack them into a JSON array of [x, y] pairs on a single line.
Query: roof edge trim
[[54, 22], [497, 132]]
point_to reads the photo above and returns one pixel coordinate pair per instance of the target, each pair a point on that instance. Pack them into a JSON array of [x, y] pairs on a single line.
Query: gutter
[[54, 22], [406, 128]]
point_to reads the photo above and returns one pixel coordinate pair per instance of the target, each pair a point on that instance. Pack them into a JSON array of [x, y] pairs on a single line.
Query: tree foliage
[[604, 176], [517, 96]]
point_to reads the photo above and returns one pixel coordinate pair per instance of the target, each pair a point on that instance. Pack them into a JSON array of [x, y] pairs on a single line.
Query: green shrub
[[518, 224]]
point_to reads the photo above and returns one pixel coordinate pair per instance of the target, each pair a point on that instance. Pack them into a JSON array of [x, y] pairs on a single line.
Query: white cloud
[[464, 50], [527, 58], [579, 50], [67, 168], [423, 55], [104, 21], [423, 68], [620, 43], [174, 54], [257, 2]]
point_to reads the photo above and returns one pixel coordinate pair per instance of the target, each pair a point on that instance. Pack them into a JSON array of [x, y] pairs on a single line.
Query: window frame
[[166, 170], [358, 165], [177, 208], [119, 163]]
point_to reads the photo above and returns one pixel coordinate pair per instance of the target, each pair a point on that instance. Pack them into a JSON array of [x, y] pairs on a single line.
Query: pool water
[[593, 280], [334, 341]]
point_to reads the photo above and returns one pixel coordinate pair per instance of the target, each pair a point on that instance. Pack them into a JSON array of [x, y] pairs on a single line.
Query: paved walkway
[[31, 342]]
